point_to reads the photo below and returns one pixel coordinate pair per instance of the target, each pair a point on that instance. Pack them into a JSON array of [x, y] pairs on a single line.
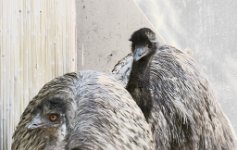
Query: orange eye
[[53, 117]]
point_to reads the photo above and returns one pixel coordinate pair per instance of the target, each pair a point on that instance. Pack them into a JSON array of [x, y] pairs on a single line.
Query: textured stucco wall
[[103, 30]]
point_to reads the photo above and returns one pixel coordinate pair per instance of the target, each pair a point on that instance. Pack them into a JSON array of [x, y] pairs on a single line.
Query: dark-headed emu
[[174, 97], [82, 111]]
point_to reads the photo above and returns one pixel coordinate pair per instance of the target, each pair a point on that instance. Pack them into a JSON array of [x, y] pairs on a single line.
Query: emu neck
[[138, 84], [140, 72]]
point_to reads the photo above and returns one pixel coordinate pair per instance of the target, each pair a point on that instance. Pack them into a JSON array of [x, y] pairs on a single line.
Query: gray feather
[[122, 69], [100, 115], [184, 114]]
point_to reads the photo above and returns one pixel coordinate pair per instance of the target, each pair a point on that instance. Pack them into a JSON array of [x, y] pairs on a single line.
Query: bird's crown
[[143, 35]]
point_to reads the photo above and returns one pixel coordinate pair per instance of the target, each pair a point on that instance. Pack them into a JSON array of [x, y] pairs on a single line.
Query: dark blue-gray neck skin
[[144, 46]]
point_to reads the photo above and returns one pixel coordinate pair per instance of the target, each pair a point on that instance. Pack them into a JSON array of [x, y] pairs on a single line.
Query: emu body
[[176, 98], [98, 113]]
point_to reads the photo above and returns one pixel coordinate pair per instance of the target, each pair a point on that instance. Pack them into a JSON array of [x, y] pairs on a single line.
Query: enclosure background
[[42, 39]]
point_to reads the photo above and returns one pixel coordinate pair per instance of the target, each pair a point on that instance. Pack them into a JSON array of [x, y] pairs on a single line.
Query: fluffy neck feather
[[138, 84]]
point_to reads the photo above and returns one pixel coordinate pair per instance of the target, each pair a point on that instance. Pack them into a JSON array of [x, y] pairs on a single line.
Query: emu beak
[[35, 123], [140, 52]]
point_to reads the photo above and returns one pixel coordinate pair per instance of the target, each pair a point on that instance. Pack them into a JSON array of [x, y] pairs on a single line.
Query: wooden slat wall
[[37, 43]]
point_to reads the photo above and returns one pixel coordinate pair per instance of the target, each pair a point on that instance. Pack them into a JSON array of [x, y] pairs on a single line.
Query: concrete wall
[[103, 30]]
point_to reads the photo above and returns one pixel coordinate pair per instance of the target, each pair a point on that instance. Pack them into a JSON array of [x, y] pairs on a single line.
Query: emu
[[85, 110], [174, 96]]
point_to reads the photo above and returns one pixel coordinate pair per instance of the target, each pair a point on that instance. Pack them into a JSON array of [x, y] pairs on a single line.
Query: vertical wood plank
[[37, 43]]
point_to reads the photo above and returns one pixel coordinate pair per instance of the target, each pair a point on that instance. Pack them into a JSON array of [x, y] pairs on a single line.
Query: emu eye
[[53, 117]]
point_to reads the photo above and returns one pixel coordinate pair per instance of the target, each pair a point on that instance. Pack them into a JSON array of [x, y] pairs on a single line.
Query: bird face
[[140, 52], [143, 43], [50, 113]]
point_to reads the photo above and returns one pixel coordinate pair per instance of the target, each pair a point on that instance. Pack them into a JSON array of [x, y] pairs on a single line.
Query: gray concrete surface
[[103, 30]]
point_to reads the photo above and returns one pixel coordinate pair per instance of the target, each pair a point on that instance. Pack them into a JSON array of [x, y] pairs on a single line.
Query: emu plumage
[[175, 98], [99, 114]]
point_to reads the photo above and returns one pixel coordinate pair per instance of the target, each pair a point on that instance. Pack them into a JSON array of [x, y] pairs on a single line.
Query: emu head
[[49, 114], [50, 121], [143, 43]]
